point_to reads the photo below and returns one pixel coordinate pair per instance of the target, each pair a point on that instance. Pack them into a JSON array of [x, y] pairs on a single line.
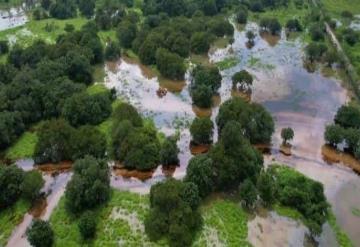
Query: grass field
[[335, 7], [24, 147], [121, 222], [10, 218]]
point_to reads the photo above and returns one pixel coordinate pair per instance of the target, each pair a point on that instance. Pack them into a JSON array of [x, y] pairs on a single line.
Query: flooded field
[[296, 98], [12, 17]]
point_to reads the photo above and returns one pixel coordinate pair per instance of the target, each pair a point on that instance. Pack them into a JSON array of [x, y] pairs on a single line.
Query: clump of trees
[[16, 184], [345, 130], [201, 131], [40, 234], [205, 83], [89, 187], [58, 141], [134, 142], [271, 25], [173, 212], [256, 123]]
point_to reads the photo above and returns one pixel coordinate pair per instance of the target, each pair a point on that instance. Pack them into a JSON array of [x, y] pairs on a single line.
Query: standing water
[[296, 98], [12, 17]]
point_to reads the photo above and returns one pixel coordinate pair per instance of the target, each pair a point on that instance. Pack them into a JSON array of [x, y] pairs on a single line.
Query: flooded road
[[54, 188], [12, 17], [296, 98]]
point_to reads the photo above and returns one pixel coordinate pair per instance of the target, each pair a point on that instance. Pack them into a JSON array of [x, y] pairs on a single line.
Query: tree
[[69, 28], [40, 234], [331, 57], [287, 134], [241, 16], [201, 130], [350, 36], [334, 134], [266, 187], [169, 152], [170, 64], [126, 33], [173, 212], [78, 67], [271, 25], [179, 44], [202, 96], [348, 116], [89, 186], [87, 7], [10, 179], [317, 32], [248, 193], [88, 140], [243, 78], [63, 9], [53, 142], [293, 25], [209, 76], [83, 109], [4, 47], [200, 171], [147, 51], [11, 126], [87, 225], [31, 185], [314, 51], [200, 42], [126, 111], [112, 51], [257, 124]]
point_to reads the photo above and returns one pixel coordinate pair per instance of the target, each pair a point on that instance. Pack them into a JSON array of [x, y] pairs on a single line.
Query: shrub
[[169, 152], [201, 130], [31, 185], [40, 234]]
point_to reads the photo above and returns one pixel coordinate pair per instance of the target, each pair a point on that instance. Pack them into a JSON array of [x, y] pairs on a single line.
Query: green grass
[[335, 7], [356, 212], [225, 222], [341, 237], [10, 218], [24, 147], [223, 218], [288, 212], [126, 227], [96, 88], [227, 63]]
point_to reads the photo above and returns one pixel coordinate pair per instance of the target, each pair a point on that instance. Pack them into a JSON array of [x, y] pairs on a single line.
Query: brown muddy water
[[296, 98]]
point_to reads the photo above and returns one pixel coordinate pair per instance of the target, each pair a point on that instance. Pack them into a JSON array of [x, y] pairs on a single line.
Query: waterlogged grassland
[[10, 218], [120, 222], [225, 224], [227, 63]]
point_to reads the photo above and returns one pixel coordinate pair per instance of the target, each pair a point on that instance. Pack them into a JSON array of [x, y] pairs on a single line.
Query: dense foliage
[[173, 212], [40, 234], [87, 225], [201, 131], [89, 186], [256, 123], [169, 152]]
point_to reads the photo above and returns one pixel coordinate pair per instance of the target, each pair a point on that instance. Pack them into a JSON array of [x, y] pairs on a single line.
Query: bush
[[201, 131], [271, 25], [287, 134], [31, 185], [200, 42], [202, 96], [350, 36], [4, 47], [40, 234], [334, 134], [81, 109], [126, 111], [11, 127], [241, 16], [248, 193], [317, 32], [170, 64], [54, 142], [89, 186], [242, 78], [315, 51], [112, 51], [293, 25], [11, 178], [257, 124], [173, 212], [200, 171], [169, 152], [267, 188], [347, 14], [126, 33], [87, 225], [348, 116]]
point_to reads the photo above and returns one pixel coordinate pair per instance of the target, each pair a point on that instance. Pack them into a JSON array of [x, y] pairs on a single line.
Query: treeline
[[45, 81], [345, 130]]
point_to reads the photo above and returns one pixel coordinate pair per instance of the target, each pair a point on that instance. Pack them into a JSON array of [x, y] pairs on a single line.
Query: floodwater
[[12, 17], [296, 98]]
